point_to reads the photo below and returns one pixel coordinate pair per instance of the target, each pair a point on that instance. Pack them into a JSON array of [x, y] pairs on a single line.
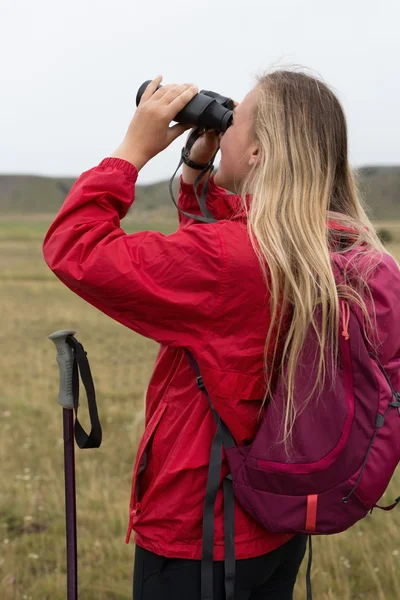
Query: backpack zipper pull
[[346, 319]]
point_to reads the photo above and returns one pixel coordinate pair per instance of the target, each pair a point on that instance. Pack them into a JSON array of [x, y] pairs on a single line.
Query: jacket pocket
[[136, 504], [140, 462]]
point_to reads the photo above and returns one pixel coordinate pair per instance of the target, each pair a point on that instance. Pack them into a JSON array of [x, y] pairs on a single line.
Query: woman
[[239, 294]]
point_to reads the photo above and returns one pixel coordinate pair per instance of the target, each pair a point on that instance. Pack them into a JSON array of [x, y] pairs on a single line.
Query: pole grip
[[65, 359]]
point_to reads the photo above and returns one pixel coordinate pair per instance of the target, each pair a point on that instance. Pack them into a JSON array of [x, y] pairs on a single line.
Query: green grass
[[361, 563]]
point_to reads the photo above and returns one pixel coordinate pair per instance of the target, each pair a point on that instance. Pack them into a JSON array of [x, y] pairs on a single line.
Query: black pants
[[268, 577]]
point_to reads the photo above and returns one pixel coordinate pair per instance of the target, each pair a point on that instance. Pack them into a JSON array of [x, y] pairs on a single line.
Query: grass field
[[361, 563]]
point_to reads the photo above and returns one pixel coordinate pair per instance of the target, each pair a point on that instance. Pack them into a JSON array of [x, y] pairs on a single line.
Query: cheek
[[226, 145], [233, 147]]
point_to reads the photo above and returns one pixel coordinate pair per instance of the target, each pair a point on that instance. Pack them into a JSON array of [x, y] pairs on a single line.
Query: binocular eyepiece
[[208, 110]]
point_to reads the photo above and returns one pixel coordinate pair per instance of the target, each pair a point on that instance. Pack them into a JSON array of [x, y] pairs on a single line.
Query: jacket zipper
[[136, 511]]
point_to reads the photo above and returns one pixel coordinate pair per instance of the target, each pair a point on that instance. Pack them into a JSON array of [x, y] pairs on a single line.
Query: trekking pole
[[65, 359], [72, 362]]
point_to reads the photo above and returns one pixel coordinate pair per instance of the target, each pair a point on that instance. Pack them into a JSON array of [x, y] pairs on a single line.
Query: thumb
[[176, 130]]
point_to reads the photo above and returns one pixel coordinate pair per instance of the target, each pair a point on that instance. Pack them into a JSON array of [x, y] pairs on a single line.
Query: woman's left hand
[[149, 132]]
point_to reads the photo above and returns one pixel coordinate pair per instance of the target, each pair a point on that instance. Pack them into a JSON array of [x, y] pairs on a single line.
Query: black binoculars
[[208, 110]]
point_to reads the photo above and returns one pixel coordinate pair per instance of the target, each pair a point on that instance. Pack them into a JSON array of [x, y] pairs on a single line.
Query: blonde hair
[[302, 179]]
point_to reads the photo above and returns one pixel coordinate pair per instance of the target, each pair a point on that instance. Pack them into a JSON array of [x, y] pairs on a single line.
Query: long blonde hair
[[302, 179]]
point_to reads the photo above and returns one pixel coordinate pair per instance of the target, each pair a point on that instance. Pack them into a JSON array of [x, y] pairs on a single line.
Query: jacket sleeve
[[219, 202], [165, 287]]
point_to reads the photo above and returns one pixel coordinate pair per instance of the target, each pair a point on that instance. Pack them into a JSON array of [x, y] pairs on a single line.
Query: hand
[[149, 132], [205, 146], [202, 151]]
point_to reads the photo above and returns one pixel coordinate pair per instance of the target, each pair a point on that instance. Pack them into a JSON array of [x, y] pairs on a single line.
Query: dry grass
[[361, 563]]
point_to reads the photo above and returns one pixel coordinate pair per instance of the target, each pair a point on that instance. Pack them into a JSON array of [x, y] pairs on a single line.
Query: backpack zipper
[[346, 319]]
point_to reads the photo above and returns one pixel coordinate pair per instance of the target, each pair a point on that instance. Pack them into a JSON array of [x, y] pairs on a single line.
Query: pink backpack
[[345, 447]]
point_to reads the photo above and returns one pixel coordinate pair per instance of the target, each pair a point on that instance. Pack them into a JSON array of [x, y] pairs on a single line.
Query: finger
[[180, 127], [180, 101], [162, 91], [166, 88], [175, 91], [151, 88]]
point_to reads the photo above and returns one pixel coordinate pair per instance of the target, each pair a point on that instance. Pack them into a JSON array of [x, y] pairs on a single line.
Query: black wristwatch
[[194, 165]]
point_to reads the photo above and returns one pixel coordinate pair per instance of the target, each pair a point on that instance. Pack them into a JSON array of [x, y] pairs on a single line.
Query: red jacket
[[200, 288]]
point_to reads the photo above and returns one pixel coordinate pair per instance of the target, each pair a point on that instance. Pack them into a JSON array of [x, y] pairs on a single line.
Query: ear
[[253, 157]]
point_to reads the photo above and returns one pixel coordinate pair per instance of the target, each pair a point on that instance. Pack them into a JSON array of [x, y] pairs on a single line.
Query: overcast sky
[[69, 71]]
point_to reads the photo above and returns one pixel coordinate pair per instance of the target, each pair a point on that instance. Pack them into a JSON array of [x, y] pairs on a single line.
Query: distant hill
[[27, 194], [380, 187], [30, 194]]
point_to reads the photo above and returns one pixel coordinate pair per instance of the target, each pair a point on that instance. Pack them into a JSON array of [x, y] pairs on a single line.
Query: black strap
[[207, 218], [81, 365], [390, 507], [222, 438], [185, 154], [190, 163], [308, 574], [214, 469], [229, 535]]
